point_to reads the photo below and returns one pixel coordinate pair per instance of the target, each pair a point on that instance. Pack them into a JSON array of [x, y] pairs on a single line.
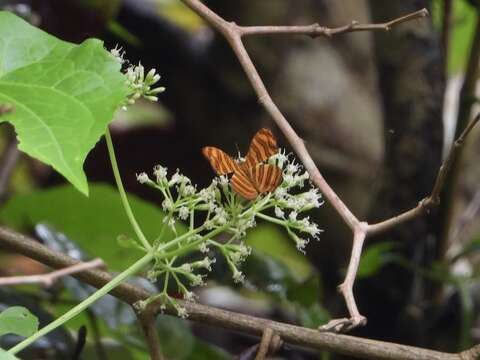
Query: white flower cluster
[[139, 84], [218, 209]]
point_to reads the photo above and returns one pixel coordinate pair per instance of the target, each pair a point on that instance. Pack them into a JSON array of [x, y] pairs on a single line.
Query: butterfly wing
[[262, 146], [221, 162], [243, 186], [266, 177]]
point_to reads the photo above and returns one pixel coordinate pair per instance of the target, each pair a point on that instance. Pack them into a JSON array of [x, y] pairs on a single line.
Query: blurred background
[[378, 112]]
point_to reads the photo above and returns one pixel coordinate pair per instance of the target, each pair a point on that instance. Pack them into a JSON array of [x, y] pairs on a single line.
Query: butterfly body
[[250, 177]]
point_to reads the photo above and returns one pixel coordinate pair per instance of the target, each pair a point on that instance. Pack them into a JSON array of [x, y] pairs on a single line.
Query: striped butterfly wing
[[221, 162], [266, 177], [262, 146], [243, 186]]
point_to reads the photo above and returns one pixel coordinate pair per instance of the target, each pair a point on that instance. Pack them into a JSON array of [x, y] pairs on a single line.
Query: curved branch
[[342, 344]]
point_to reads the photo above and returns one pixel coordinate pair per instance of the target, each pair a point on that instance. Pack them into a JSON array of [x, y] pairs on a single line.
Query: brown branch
[[315, 30], [233, 34], [264, 344], [147, 323], [296, 335], [50, 278], [434, 198]]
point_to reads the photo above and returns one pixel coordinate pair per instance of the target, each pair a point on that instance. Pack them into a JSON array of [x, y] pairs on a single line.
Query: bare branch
[[264, 344], [434, 198], [315, 30], [233, 34], [147, 323], [342, 344], [50, 278]]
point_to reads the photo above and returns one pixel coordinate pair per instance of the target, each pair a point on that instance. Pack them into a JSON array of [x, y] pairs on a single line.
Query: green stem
[[187, 248], [271, 219], [123, 194], [84, 304]]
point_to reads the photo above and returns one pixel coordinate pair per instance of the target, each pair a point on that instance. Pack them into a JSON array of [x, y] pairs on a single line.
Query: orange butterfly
[[250, 177]]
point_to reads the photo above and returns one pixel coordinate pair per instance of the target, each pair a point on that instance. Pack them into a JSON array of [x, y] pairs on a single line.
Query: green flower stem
[[193, 245], [123, 194], [271, 219], [84, 304], [178, 239]]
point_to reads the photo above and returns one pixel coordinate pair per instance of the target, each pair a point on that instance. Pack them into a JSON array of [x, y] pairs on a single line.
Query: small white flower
[[292, 168], [288, 180], [176, 178], [183, 213], [167, 205], [292, 216], [206, 263], [118, 54], [238, 276], [280, 192], [142, 178], [279, 213], [189, 296], [301, 243], [240, 253], [220, 216], [244, 250], [207, 195], [181, 312], [185, 268], [313, 230], [279, 158], [188, 190], [312, 198], [160, 173], [203, 248], [223, 180], [196, 280]]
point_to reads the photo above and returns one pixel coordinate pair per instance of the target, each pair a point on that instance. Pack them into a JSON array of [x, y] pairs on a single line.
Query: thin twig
[[147, 323], [50, 278], [466, 221], [233, 34], [315, 30], [264, 344], [434, 198], [467, 99], [324, 341]]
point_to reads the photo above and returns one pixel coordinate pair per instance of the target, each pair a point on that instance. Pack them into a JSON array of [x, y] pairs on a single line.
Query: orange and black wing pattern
[[251, 177], [221, 162], [262, 146], [266, 177]]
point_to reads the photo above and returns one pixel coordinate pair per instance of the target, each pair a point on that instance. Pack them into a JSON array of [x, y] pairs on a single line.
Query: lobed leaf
[[63, 95]]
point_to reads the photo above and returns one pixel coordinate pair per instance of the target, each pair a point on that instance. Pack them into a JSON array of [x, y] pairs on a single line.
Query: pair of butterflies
[[252, 176]]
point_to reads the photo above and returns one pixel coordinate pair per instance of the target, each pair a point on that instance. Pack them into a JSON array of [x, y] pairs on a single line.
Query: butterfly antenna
[[239, 155]]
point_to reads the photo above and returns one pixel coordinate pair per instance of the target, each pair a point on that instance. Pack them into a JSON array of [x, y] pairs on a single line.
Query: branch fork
[[233, 33]]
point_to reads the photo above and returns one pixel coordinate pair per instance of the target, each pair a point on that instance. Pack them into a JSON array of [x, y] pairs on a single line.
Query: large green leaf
[[18, 320], [94, 223], [63, 94]]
